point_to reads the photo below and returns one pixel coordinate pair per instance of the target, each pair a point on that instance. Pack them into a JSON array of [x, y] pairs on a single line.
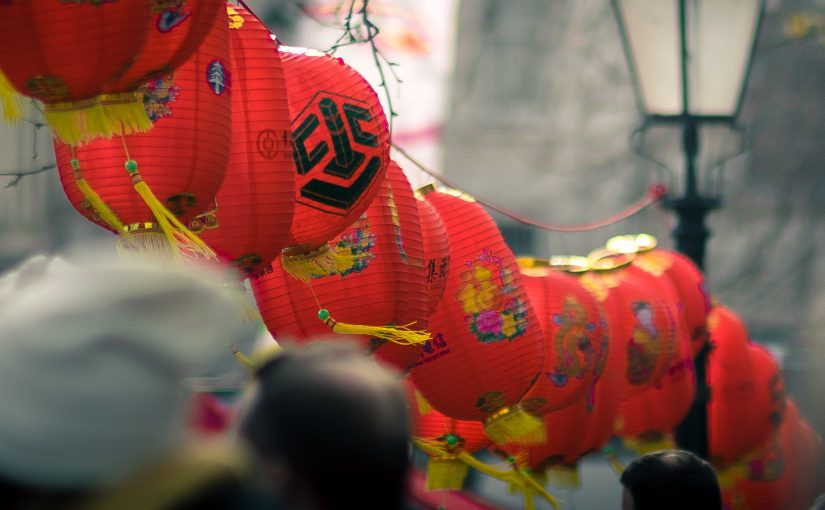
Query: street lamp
[[690, 60]]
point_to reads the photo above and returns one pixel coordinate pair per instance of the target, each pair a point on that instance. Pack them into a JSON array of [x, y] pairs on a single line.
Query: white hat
[[92, 362]]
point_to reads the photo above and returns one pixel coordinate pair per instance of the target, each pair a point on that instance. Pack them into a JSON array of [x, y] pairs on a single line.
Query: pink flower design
[[489, 321]]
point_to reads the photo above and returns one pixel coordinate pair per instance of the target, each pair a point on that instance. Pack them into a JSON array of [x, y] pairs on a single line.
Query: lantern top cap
[[425, 189], [631, 243], [569, 263], [604, 260]]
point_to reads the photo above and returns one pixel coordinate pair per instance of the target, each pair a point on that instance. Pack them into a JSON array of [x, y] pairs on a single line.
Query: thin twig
[[358, 28], [19, 175]]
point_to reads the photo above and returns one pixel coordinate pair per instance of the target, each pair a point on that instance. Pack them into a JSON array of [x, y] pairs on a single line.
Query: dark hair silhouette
[[672, 479]]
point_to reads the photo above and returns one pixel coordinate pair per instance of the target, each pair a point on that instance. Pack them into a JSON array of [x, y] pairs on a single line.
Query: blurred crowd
[[99, 412]]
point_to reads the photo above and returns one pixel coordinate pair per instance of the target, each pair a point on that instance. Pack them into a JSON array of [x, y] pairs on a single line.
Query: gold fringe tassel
[[728, 476], [514, 476], [321, 262], [147, 245], [565, 477], [446, 473], [401, 335], [10, 100], [643, 446], [613, 460], [424, 407], [104, 116], [260, 356], [179, 237], [515, 425]]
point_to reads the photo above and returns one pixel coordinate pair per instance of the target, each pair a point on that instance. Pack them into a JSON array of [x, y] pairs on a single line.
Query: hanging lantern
[[575, 337], [686, 279], [737, 421], [182, 160], [87, 59], [780, 476], [250, 220], [587, 424], [487, 347], [436, 249], [659, 386], [340, 142], [445, 472], [369, 294]]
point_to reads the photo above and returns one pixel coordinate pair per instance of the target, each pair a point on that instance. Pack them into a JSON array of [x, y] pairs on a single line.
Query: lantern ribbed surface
[[655, 402], [254, 206], [734, 429], [340, 140], [368, 294], [63, 53], [183, 159], [784, 473], [436, 253], [689, 283], [575, 339], [487, 347]]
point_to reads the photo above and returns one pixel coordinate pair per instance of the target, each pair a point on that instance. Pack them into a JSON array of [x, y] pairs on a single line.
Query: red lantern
[[340, 141], [182, 160], [575, 337], [780, 475], [369, 294], [255, 204], [452, 436], [687, 280], [436, 251], [487, 347], [86, 59], [645, 309], [734, 426]]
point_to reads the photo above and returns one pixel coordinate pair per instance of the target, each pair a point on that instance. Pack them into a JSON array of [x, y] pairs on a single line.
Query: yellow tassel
[[424, 407], [180, 238], [104, 116], [515, 425], [147, 244], [651, 444], [446, 473], [613, 460], [565, 477], [242, 358], [514, 476], [98, 205], [401, 335], [11, 100], [728, 476], [321, 262]]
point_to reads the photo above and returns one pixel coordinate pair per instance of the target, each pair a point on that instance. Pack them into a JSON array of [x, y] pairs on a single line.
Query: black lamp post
[[690, 60]]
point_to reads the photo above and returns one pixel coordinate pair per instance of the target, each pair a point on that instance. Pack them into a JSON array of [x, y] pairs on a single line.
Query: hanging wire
[[653, 195]]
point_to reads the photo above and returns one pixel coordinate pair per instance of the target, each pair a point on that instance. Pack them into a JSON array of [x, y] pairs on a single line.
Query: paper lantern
[[436, 251], [250, 221], [340, 142], [86, 59], [368, 295], [734, 424], [487, 343], [659, 384], [182, 161], [575, 337], [453, 436], [781, 475], [642, 313], [687, 280]]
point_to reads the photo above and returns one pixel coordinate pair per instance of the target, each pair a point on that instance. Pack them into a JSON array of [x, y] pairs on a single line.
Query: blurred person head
[[672, 479], [331, 428], [94, 359]]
